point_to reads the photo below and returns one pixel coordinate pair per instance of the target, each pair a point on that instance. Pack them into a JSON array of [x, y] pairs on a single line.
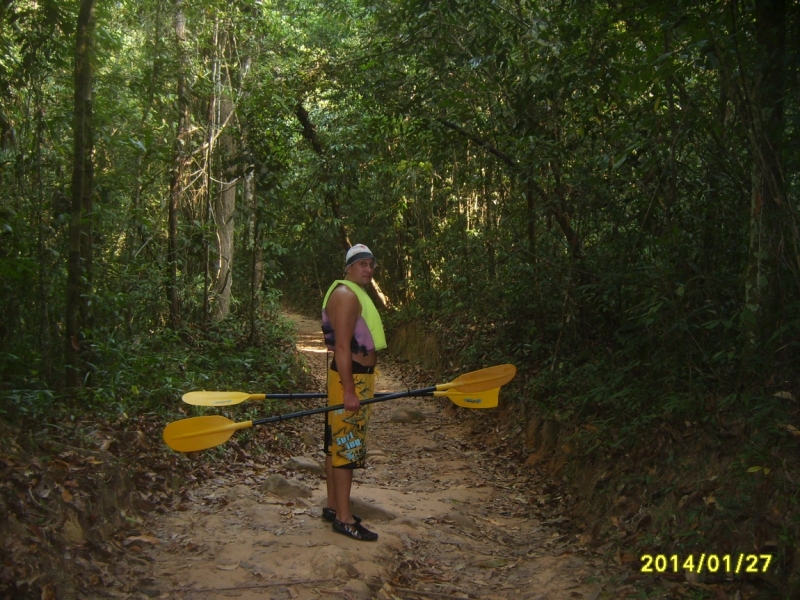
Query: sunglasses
[[373, 264]]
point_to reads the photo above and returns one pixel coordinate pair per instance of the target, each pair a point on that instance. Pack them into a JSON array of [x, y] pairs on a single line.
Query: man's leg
[[334, 397], [346, 522], [349, 429], [329, 483], [339, 482], [342, 483]]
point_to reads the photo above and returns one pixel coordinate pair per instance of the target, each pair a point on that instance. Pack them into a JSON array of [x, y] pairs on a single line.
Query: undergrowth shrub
[[152, 370]]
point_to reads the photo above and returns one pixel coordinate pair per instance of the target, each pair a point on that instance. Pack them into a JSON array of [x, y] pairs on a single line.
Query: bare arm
[[343, 311]]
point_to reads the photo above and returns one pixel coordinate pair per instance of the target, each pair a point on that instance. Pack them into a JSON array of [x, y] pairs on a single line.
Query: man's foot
[[329, 515], [354, 530]]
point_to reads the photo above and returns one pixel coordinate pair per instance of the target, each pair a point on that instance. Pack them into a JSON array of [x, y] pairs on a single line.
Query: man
[[353, 332]]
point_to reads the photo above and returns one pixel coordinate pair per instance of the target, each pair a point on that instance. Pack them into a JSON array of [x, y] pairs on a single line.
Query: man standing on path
[[353, 332]]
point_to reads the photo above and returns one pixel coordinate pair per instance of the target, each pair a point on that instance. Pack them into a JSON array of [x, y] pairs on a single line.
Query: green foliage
[[151, 372], [466, 142], [134, 361], [586, 190], [619, 117]]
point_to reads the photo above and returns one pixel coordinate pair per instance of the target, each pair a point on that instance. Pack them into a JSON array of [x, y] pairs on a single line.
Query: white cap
[[355, 253]]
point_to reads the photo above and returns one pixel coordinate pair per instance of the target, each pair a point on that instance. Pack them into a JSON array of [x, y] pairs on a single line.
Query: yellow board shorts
[[346, 432]]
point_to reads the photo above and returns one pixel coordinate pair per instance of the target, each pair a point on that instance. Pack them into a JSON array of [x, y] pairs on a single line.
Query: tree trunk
[[135, 236], [180, 158], [531, 213], [45, 347], [79, 265], [258, 255], [488, 221], [768, 199], [249, 199], [224, 208]]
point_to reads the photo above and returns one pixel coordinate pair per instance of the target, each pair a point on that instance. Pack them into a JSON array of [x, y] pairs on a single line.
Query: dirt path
[[452, 522]]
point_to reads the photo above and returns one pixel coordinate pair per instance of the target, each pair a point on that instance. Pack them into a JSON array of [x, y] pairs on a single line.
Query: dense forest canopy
[[604, 193]]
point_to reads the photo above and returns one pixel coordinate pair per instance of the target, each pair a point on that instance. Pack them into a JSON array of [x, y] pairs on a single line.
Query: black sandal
[[329, 515], [354, 530]]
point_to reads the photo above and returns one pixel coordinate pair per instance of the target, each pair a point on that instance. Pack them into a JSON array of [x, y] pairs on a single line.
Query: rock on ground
[[359, 589], [407, 415], [303, 463], [280, 486], [372, 512]]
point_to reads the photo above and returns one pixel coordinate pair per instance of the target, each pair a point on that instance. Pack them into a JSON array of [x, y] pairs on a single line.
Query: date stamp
[[705, 563]]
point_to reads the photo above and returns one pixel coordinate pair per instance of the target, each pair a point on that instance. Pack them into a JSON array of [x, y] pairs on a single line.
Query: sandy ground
[[452, 522]]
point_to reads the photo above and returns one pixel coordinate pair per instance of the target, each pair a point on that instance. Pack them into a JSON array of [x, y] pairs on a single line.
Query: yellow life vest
[[368, 311]]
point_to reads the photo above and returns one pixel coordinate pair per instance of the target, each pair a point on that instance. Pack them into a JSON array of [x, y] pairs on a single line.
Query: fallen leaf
[[142, 439], [492, 563], [148, 539], [36, 530], [48, 593]]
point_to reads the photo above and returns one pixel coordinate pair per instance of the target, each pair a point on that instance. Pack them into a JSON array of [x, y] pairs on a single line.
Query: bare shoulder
[[343, 291], [343, 298]]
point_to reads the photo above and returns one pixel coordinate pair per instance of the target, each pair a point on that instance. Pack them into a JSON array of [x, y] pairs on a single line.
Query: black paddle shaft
[[313, 395], [323, 409]]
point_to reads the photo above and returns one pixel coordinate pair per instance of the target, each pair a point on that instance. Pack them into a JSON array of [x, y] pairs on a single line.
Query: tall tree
[[179, 163], [79, 273], [762, 93], [221, 113]]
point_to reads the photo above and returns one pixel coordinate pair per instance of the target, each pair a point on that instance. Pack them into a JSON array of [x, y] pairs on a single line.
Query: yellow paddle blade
[[482, 380], [200, 433], [219, 398], [485, 399]]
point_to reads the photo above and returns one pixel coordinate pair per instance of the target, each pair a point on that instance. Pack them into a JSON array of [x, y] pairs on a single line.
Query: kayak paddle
[[201, 433], [476, 381], [485, 399]]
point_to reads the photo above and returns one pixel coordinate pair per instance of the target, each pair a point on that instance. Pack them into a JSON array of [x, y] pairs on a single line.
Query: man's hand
[[351, 401]]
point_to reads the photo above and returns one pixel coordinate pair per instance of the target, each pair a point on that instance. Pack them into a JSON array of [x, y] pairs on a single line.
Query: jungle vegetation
[[603, 193]]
